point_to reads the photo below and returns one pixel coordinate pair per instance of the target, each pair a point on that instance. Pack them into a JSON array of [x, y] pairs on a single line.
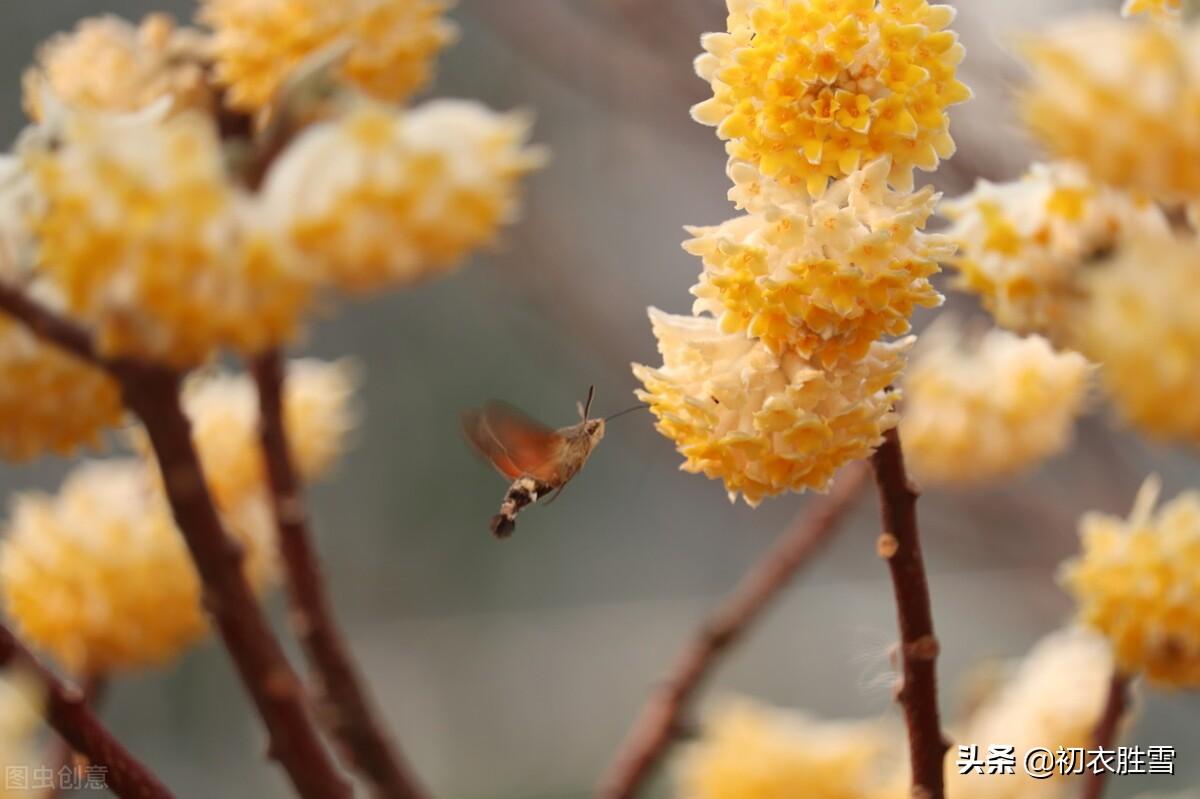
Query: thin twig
[[900, 545], [660, 717], [152, 392], [67, 712], [344, 704], [1104, 736], [62, 754]]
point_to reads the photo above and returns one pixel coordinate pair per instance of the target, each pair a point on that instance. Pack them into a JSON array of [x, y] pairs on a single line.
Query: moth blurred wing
[[513, 442]]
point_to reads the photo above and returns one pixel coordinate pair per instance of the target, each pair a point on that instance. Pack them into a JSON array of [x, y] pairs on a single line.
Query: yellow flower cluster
[[749, 751], [49, 401], [1023, 244], [381, 198], [981, 407], [1122, 99], [99, 577], [825, 278], [783, 373], [391, 44], [107, 64], [223, 408], [764, 423], [1159, 9], [807, 90], [152, 246], [1136, 581], [1141, 323], [1053, 698]]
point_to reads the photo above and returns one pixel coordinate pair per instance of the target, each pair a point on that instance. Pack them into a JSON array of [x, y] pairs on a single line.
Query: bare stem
[[152, 392], [1104, 736], [67, 712], [659, 720], [61, 754], [344, 704], [900, 545]]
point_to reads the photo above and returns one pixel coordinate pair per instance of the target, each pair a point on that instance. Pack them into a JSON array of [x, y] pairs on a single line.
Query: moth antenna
[[627, 410], [587, 406]]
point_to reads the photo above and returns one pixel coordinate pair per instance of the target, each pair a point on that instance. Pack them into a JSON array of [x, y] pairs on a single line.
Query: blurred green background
[[512, 670]]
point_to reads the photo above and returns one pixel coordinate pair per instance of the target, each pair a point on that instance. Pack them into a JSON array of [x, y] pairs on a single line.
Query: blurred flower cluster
[[1051, 698], [186, 193], [781, 374]]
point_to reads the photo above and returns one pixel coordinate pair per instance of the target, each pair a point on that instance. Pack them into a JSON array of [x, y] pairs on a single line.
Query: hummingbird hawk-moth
[[537, 458]]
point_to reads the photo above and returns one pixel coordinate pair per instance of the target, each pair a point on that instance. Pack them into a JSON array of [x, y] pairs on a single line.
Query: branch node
[[886, 545]]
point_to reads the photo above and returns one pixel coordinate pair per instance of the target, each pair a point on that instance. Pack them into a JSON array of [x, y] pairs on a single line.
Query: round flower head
[[1123, 99], [99, 576], [153, 246], [391, 44], [223, 409], [1023, 244], [381, 197], [748, 750], [1141, 323], [1136, 582], [764, 423], [826, 278], [983, 407], [1159, 9], [107, 64], [806, 90], [1053, 699]]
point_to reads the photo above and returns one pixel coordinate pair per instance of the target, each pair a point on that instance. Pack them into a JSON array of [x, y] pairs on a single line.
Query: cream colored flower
[[1159, 9], [381, 197], [1053, 699], [223, 408], [826, 278], [986, 406], [154, 247], [764, 423], [1137, 581], [99, 577], [807, 90], [391, 44], [21, 710], [1023, 245], [1123, 99], [107, 64], [1141, 322], [749, 751], [50, 402]]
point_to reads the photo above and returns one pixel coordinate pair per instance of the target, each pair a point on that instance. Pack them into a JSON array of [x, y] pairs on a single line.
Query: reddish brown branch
[[62, 754], [67, 712], [900, 545], [152, 392], [344, 703], [660, 717], [1104, 736]]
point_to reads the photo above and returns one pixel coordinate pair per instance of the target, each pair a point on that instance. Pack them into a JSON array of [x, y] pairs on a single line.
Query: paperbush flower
[[807, 90], [1136, 582], [223, 409], [1053, 699], [391, 43], [748, 750], [1160, 9], [382, 197], [1142, 324], [99, 577], [153, 246], [825, 278], [22, 703], [1123, 99], [107, 64], [1023, 245], [761, 422], [987, 406]]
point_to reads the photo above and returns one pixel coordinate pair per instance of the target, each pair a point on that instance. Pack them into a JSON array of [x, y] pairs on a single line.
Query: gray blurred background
[[512, 671]]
